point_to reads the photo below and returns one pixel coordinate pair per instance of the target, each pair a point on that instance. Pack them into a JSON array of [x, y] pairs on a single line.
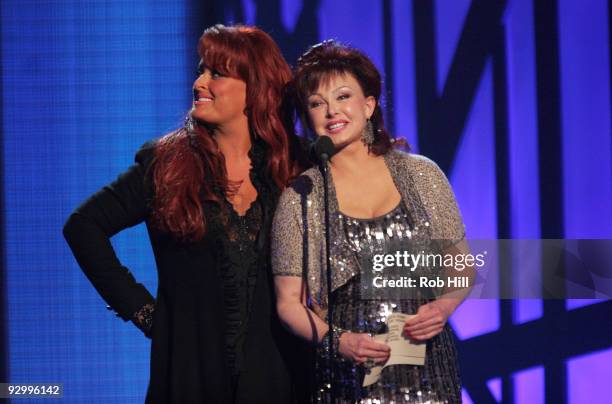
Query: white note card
[[403, 351]]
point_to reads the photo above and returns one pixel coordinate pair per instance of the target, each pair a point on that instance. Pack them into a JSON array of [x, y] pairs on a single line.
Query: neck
[[352, 159], [234, 139]]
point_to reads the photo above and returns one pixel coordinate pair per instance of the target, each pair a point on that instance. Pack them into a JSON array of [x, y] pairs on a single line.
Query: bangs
[[222, 54], [321, 76]]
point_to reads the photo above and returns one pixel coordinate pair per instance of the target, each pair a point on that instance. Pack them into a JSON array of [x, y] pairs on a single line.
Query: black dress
[[215, 334]]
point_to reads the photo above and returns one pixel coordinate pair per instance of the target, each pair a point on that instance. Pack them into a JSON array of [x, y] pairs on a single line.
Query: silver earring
[[190, 123], [367, 136]]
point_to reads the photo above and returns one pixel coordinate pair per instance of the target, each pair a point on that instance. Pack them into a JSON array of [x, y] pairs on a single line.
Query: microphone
[[322, 149]]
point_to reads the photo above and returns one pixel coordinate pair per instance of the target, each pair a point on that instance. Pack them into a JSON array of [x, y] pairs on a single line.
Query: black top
[[193, 326], [239, 269]]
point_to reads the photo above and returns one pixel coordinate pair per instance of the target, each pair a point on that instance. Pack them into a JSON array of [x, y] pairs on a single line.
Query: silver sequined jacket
[[298, 243]]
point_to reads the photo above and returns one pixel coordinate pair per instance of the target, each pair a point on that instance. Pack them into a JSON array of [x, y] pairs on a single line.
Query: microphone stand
[[330, 305]]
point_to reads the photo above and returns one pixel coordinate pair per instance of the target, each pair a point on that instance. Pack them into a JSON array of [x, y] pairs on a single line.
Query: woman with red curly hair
[[207, 193]]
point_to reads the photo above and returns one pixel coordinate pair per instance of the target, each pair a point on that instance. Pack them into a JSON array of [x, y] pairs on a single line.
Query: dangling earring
[[190, 123], [367, 136]]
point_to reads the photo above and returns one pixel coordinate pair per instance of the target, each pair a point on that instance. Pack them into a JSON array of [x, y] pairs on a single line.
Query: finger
[[423, 313], [369, 342], [369, 353], [420, 315], [424, 329], [429, 312], [360, 360], [427, 316], [377, 346], [427, 329], [425, 337], [426, 334], [382, 361], [435, 320]]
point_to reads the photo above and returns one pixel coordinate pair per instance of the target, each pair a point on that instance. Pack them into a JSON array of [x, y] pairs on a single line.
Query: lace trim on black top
[[240, 255], [241, 236], [239, 275]]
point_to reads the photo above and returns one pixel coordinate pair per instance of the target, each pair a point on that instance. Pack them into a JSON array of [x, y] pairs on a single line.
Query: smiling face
[[217, 98], [340, 110]]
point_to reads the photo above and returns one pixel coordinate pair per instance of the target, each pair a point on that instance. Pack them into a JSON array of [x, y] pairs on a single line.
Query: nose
[[331, 109], [202, 80]]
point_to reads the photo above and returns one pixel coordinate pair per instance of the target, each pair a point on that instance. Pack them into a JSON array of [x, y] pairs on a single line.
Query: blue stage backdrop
[[511, 98]]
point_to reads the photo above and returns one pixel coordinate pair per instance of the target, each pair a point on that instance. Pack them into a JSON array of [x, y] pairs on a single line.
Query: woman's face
[[340, 110], [217, 99]]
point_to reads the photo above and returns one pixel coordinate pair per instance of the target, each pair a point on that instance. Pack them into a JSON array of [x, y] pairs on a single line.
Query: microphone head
[[322, 148]]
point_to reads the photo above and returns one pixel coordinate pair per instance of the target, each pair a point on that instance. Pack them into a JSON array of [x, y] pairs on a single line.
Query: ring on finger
[[369, 363]]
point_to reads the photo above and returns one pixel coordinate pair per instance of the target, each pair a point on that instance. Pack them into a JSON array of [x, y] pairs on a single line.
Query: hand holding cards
[[403, 351]]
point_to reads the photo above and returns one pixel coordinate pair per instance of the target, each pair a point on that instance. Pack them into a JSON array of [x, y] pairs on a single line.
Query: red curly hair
[[189, 168]]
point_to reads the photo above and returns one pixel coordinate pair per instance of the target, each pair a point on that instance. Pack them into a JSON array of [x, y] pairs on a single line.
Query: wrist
[[446, 306], [334, 344], [338, 333], [143, 318]]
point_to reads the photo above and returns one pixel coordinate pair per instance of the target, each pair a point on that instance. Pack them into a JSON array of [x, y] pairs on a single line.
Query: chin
[[200, 117], [342, 140]]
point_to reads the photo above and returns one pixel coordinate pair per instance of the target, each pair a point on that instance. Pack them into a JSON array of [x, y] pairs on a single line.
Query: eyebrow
[[333, 91]]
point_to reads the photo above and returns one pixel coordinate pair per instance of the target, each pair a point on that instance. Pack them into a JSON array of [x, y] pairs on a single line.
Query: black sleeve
[[119, 205]]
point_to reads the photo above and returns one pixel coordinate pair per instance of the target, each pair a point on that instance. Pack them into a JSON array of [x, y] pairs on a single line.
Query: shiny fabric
[[298, 236], [438, 380], [427, 216]]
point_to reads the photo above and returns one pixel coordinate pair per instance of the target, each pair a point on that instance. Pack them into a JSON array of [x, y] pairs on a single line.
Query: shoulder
[[306, 183], [167, 146], [146, 153], [301, 189], [415, 164], [313, 175]]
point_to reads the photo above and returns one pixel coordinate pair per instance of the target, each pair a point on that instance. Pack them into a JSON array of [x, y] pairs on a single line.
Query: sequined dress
[[427, 217], [438, 380]]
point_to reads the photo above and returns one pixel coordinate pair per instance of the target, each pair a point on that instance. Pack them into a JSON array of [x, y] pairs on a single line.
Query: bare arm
[[299, 319], [291, 290], [452, 297], [293, 312], [448, 229]]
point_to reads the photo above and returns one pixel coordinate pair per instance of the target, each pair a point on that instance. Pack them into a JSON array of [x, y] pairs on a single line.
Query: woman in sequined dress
[[207, 193], [379, 198]]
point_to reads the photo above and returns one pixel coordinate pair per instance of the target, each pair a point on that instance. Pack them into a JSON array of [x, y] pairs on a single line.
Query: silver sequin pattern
[[297, 237], [427, 213]]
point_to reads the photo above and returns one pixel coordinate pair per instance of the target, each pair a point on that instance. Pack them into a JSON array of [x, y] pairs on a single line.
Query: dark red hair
[[189, 168], [329, 58]]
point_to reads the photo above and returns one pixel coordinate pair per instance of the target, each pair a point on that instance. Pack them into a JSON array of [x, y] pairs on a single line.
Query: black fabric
[[239, 273], [188, 348]]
